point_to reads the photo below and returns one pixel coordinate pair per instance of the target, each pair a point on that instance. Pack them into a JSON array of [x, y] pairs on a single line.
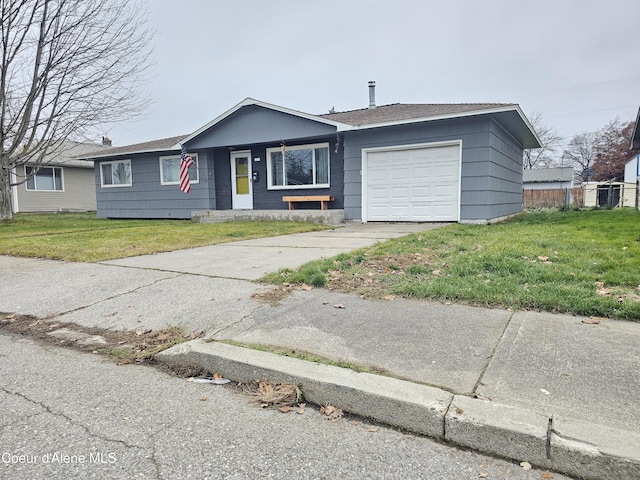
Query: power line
[[572, 88], [590, 111]]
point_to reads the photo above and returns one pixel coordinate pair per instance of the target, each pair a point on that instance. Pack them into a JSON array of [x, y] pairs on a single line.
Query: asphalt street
[[67, 414]]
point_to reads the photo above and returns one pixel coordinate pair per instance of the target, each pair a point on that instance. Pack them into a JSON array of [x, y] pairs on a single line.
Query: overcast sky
[[576, 62]]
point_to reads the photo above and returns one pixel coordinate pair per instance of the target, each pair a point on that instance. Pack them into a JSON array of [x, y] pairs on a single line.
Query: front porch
[[328, 217]]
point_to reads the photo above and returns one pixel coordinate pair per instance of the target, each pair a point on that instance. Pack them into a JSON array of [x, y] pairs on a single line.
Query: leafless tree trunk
[[68, 67]]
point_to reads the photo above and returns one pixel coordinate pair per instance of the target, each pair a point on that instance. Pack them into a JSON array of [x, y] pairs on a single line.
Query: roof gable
[[256, 123], [250, 102]]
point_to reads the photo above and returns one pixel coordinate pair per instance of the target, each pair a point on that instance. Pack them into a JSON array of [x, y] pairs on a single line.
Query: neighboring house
[[547, 178], [61, 183], [632, 170], [632, 167], [609, 194], [399, 162]]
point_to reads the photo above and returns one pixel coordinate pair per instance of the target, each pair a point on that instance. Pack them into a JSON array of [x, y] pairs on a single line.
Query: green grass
[[81, 237], [502, 265]]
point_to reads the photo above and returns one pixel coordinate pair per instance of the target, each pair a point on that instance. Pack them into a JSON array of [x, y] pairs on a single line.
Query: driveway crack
[[117, 295]]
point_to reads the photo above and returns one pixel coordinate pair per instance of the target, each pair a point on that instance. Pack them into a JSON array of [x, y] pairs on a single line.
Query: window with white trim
[[46, 179], [116, 173], [170, 170], [300, 166]]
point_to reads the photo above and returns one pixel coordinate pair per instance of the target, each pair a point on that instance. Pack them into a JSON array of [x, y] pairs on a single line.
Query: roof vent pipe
[[372, 94]]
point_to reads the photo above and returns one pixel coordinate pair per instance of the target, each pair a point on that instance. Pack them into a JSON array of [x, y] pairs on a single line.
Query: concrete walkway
[[547, 389]]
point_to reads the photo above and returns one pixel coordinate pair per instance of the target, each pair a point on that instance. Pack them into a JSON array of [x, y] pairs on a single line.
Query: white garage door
[[412, 185]]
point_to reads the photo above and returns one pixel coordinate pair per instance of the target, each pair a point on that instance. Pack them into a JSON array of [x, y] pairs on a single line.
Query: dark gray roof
[[408, 111], [164, 144], [538, 175], [635, 136]]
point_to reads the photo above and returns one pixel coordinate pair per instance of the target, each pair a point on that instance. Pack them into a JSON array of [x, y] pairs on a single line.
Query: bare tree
[[545, 156], [581, 152], [67, 68], [613, 150]]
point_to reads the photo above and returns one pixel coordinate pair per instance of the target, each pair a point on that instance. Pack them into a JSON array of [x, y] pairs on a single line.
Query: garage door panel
[[379, 194], [400, 193], [419, 184], [421, 193]]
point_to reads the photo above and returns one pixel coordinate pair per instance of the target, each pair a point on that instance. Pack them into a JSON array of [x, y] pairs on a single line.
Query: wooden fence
[[556, 198]]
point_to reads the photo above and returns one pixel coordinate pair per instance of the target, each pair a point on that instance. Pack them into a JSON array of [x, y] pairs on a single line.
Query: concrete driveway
[[251, 259], [207, 288]]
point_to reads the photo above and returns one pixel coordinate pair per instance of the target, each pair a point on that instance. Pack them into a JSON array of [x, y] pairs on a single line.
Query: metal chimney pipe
[[372, 94]]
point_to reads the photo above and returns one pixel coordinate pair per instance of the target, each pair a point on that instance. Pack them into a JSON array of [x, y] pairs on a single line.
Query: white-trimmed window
[[45, 179], [300, 166], [170, 170], [116, 173]]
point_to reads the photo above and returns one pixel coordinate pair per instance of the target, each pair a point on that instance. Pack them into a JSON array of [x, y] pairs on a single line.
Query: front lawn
[[580, 262], [81, 237]]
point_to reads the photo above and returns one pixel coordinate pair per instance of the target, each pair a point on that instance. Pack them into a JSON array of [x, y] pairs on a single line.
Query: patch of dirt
[[274, 296], [122, 346], [365, 277]]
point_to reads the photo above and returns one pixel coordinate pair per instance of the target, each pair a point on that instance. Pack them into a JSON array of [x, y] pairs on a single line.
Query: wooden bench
[[323, 199]]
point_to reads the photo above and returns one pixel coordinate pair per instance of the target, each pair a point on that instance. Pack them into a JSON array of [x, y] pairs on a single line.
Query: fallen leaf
[[624, 248], [542, 258], [372, 429], [203, 399], [331, 412], [436, 272], [525, 465], [353, 423], [546, 476], [483, 474], [389, 297], [591, 320], [300, 410], [285, 409], [339, 305], [306, 287]]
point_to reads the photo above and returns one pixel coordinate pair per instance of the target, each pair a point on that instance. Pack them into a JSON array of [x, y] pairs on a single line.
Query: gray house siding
[[222, 166], [491, 183], [78, 193], [146, 197], [254, 125], [265, 199]]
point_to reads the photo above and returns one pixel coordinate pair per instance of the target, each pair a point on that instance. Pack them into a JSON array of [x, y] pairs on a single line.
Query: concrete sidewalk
[[536, 387]]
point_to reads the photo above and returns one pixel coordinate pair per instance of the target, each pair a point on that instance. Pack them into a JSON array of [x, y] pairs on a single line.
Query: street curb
[[586, 450]]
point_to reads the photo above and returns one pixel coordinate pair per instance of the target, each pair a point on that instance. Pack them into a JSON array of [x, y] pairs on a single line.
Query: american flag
[[185, 162]]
